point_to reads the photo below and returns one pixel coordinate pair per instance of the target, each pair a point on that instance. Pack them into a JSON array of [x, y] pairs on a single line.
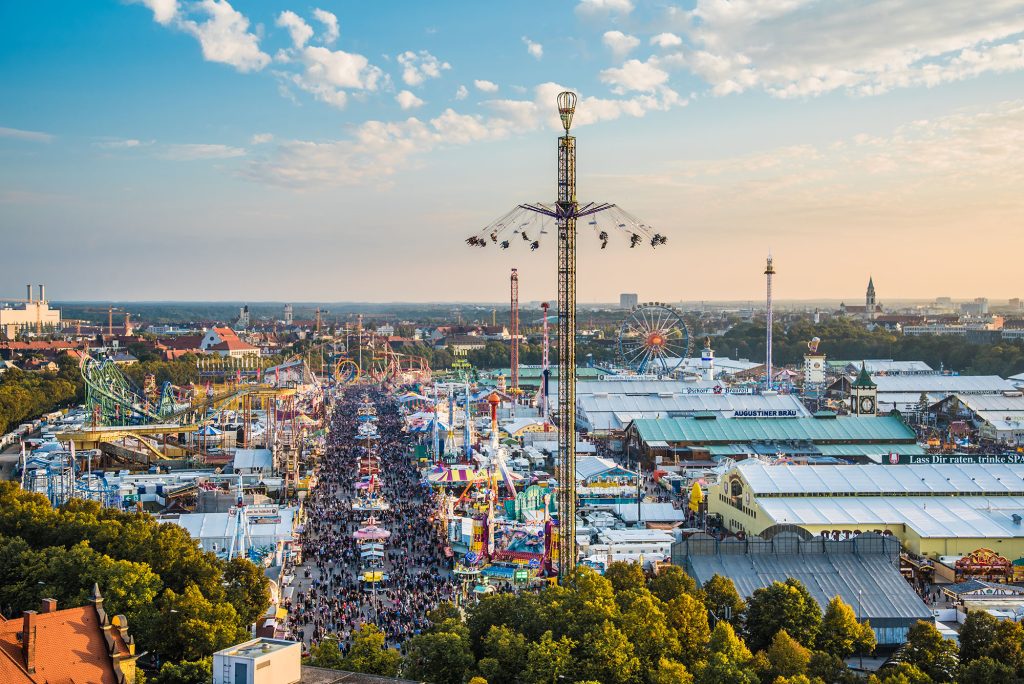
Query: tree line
[[182, 603]]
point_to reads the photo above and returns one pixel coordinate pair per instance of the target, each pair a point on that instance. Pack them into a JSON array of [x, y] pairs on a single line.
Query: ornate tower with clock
[[864, 395]]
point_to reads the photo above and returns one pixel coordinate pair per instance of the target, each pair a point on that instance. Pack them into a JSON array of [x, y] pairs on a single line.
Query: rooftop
[[827, 430]]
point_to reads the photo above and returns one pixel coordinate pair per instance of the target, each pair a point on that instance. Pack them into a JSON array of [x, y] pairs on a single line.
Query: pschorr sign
[[953, 459], [764, 413]]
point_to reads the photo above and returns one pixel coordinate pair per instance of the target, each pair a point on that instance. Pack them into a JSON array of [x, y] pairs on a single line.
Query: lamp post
[[860, 612]]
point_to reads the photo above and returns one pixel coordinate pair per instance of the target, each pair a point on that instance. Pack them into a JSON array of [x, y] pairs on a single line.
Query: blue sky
[[207, 149]]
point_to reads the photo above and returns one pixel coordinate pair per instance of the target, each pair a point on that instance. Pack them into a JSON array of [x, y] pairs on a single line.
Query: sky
[[343, 151]]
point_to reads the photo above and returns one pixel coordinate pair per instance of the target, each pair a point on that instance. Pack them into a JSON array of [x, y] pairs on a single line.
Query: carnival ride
[[654, 338], [531, 224]]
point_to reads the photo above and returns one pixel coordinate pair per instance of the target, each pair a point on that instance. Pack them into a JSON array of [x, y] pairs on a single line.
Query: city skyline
[[161, 147]]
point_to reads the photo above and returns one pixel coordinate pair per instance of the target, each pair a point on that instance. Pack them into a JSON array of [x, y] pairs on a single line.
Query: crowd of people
[[333, 598]]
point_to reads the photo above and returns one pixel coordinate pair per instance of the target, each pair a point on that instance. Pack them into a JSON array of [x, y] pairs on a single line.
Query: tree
[[505, 655], [671, 582], [370, 655], [841, 634], [671, 672], [722, 599], [185, 672], [438, 657], [624, 576], [645, 624], [192, 627], [977, 634], [782, 605], [984, 670], [930, 652], [689, 618], [787, 657], [606, 655], [1008, 645], [248, 589], [827, 667], [327, 654], [900, 673], [549, 659]]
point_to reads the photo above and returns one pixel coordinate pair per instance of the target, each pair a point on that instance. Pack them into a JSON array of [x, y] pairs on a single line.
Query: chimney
[[28, 640], [42, 293], [28, 292], [49, 606]]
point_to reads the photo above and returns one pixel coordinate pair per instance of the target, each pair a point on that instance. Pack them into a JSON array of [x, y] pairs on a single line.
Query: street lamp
[[860, 612]]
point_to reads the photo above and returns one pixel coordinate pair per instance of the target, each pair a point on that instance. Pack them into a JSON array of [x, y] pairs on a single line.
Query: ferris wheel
[[654, 338]]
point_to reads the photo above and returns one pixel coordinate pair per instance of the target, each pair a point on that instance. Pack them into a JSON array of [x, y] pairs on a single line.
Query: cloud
[[486, 86], [261, 138], [122, 144], [461, 93], [327, 74], [595, 8], [798, 48], [534, 49], [635, 75], [223, 32], [298, 29], [196, 151], [619, 43], [666, 40], [407, 100], [18, 134], [164, 11], [417, 67], [378, 149], [330, 22]]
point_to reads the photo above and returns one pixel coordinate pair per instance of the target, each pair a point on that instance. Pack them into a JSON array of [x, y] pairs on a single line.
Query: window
[[241, 673]]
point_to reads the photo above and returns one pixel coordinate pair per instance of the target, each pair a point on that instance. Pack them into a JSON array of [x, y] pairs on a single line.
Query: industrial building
[[33, 315], [670, 441], [864, 572], [934, 510]]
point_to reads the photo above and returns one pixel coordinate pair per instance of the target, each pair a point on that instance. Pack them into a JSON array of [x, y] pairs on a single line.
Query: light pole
[[860, 612]]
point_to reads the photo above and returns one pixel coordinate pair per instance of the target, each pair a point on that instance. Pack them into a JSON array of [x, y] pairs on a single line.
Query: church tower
[[869, 300]]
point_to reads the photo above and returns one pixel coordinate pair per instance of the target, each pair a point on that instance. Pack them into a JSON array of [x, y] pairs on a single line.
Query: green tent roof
[[846, 429]]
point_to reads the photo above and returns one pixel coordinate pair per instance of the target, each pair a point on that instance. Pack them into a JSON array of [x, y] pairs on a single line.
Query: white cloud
[[298, 29], [461, 93], [592, 8], [18, 134], [796, 48], [328, 74], [261, 138], [122, 144], [330, 22], [635, 75], [619, 43], [222, 31], [417, 67], [407, 100], [164, 11], [486, 86], [196, 151], [666, 40], [379, 149], [535, 49]]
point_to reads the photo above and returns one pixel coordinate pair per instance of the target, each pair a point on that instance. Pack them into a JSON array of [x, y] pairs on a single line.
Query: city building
[[863, 571], [81, 644], [871, 309], [934, 510], [904, 393], [671, 442], [225, 342], [628, 300]]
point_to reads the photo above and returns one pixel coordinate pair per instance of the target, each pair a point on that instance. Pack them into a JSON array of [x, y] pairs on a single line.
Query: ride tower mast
[[545, 372], [514, 325], [564, 214], [769, 271]]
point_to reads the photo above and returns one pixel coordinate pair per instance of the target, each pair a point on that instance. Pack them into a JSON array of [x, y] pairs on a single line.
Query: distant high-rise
[[628, 300]]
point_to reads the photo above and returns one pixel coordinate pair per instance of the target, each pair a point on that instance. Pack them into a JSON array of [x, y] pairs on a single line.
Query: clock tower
[[864, 395]]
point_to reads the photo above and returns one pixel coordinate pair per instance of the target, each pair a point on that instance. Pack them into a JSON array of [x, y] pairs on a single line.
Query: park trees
[[841, 634], [782, 605]]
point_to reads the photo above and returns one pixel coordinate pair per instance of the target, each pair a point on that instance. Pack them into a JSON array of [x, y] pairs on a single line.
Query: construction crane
[[531, 222], [514, 361]]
